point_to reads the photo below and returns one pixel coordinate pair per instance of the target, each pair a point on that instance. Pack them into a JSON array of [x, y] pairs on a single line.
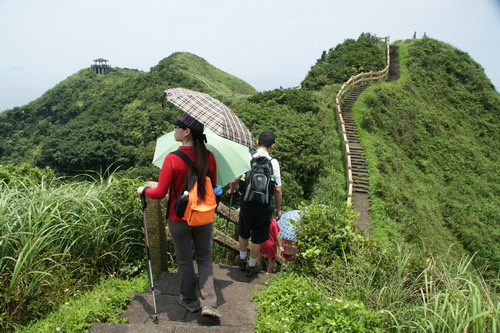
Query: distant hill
[[90, 121]]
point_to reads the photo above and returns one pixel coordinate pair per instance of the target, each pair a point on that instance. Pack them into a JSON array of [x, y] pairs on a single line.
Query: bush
[[295, 303], [324, 234], [365, 54]]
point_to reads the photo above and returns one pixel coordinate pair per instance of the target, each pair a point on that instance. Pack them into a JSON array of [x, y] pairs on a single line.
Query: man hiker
[[256, 208]]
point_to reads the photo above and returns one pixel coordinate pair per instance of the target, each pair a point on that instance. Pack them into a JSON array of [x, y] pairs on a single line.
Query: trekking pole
[[148, 256]]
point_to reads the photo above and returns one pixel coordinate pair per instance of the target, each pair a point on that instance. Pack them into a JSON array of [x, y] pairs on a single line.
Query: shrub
[[324, 233], [295, 303]]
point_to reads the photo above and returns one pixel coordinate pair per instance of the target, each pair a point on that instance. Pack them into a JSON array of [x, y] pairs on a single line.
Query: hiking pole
[[148, 255]]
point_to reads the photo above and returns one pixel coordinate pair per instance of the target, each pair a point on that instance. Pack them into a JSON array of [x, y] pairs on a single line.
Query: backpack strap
[[190, 163]]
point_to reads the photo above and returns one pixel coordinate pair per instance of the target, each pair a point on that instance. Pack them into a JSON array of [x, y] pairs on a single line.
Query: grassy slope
[[432, 143], [215, 80]]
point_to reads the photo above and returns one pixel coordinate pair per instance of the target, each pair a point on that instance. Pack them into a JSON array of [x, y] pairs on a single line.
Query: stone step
[[234, 293], [234, 313], [172, 328]]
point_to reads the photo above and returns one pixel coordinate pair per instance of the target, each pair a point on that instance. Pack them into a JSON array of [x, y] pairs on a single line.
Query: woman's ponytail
[[199, 140]]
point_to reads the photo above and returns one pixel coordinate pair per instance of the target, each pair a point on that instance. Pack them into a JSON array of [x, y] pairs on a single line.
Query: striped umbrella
[[212, 113]]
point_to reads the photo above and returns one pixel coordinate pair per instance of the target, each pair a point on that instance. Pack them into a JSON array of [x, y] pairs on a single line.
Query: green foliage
[[297, 99], [45, 246], [294, 303], [83, 144], [409, 293], [90, 122], [104, 303], [331, 185], [206, 77], [365, 54], [24, 173], [324, 234], [432, 142], [297, 148]]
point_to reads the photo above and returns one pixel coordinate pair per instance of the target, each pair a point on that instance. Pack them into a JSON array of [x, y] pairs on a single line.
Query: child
[[269, 249], [288, 233]]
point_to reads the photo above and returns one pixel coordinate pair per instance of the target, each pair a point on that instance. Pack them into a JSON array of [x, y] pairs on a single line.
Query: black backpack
[[259, 181]]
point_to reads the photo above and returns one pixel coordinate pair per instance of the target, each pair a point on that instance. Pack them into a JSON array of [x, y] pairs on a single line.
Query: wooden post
[[155, 224]]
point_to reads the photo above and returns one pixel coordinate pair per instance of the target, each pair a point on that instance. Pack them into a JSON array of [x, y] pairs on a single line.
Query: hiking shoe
[[210, 311], [241, 263], [191, 306], [253, 270]]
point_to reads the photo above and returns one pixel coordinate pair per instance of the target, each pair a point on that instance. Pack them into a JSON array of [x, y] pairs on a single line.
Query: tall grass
[[408, 294], [57, 236], [416, 294], [457, 302]]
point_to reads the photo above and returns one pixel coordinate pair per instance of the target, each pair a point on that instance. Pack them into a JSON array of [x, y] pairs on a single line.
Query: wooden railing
[[346, 87], [159, 235]]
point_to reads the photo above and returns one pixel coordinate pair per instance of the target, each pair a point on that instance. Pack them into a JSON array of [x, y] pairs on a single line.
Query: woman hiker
[[189, 132]]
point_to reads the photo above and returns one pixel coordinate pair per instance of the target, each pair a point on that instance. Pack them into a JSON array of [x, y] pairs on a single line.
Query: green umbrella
[[233, 159]]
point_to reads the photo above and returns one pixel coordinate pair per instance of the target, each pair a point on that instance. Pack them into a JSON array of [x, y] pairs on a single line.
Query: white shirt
[[274, 163]]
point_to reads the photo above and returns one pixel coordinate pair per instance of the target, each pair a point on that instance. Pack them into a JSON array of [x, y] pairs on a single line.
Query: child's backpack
[[259, 182], [188, 206]]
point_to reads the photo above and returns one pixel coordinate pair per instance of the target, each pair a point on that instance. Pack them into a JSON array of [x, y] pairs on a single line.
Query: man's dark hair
[[267, 139]]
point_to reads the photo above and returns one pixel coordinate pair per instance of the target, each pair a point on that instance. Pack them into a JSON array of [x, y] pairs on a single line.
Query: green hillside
[[89, 121], [433, 143]]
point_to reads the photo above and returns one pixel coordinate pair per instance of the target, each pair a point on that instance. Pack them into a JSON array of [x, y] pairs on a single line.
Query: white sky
[[267, 43]]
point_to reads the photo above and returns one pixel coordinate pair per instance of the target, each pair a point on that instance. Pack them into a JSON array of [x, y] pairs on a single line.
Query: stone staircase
[[360, 199], [234, 293], [394, 65]]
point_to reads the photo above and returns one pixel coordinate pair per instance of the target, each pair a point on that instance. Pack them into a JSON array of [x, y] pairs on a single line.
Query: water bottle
[[181, 204], [218, 190], [218, 193]]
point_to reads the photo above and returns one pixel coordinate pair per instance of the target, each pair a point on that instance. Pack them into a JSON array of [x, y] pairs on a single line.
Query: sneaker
[[253, 270], [191, 306], [210, 311], [241, 263]]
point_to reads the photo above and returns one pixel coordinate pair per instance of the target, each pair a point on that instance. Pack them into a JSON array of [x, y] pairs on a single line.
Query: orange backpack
[[188, 206]]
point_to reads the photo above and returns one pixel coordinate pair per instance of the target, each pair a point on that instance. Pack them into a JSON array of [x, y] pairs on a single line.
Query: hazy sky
[[267, 43]]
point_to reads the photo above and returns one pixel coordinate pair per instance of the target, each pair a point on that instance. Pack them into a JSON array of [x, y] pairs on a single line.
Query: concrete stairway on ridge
[[394, 65], [360, 199], [234, 293]]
